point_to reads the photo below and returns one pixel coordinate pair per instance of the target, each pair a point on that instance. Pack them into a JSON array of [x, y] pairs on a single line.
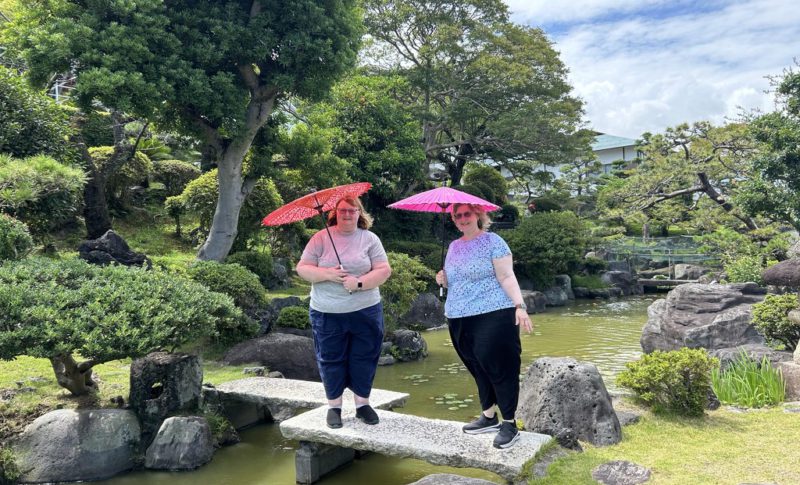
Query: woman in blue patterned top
[[484, 309]]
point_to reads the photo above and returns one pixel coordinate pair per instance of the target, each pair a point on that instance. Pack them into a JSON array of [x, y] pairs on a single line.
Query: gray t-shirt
[[358, 252]]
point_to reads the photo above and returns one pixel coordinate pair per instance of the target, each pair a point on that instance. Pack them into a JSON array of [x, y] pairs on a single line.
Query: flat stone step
[[406, 436], [297, 394]]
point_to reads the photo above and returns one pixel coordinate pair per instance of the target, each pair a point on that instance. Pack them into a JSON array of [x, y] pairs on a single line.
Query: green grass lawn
[[724, 447]]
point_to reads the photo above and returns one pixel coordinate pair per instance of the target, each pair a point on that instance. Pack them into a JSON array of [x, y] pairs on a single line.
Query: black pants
[[490, 348]]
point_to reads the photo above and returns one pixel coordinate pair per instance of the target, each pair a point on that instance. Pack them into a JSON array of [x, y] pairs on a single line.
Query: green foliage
[[477, 189], [677, 381], [257, 262], [727, 244], [39, 191], [9, 472], [770, 318], [507, 213], [748, 383], [544, 204], [594, 265], [30, 121], [15, 240], [744, 269], [484, 174], [134, 171], [98, 129], [174, 174], [50, 308], [473, 76], [200, 197], [547, 244], [233, 280], [429, 253], [409, 278], [294, 317], [591, 282]]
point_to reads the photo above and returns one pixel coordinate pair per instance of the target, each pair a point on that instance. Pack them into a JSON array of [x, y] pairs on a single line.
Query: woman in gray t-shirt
[[346, 311]]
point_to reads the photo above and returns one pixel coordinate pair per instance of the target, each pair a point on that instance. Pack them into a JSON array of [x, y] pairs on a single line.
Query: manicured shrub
[[15, 239], [293, 317], [547, 244], [133, 172], [592, 282], [491, 179], [257, 262], [174, 174], [478, 190], [409, 278], [31, 123], [594, 265], [770, 318], [749, 383], [200, 197], [677, 381], [233, 280], [41, 192], [544, 204], [507, 213], [429, 253], [744, 269], [61, 309], [98, 129]]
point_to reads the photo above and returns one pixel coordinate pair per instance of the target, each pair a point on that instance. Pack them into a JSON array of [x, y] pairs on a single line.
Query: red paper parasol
[[313, 204]]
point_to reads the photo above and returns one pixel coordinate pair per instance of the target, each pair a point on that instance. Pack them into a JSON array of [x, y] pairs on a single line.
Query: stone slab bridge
[[323, 450]]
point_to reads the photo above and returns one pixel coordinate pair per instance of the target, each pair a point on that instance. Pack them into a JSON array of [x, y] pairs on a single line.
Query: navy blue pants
[[348, 346], [490, 348]]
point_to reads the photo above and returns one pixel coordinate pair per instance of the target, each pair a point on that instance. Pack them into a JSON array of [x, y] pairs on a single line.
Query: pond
[[605, 333]]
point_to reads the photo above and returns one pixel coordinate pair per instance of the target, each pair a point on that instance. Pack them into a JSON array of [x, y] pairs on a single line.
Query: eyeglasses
[[348, 212], [461, 215]]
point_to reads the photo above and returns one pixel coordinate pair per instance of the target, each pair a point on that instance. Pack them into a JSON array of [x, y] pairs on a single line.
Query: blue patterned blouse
[[472, 286]]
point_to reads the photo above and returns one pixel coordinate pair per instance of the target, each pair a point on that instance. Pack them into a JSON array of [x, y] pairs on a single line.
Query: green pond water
[[605, 333]]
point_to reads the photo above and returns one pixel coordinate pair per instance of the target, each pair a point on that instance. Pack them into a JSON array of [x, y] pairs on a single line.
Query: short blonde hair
[[483, 218], [364, 219]]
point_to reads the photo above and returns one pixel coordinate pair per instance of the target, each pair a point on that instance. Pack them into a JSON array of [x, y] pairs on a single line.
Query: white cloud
[[639, 70]]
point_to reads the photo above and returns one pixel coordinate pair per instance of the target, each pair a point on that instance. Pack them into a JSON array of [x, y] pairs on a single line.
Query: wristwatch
[[521, 306], [360, 285]]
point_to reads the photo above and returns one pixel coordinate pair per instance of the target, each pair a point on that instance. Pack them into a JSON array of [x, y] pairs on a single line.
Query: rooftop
[[605, 142]]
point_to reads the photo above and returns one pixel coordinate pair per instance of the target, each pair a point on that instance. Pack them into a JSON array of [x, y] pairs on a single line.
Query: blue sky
[[645, 65]]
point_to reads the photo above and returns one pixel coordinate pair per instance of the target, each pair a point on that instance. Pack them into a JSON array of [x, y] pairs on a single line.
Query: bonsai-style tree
[[63, 310]]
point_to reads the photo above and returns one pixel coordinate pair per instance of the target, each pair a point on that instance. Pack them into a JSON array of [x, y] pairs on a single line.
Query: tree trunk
[[76, 378], [723, 202], [226, 216]]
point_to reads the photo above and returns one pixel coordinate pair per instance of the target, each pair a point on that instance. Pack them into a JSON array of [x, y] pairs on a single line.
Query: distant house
[[610, 148]]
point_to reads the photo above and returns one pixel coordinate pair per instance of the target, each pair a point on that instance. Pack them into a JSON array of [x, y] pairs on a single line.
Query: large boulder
[[182, 443], [563, 396], [556, 296], [690, 271], [281, 274], [409, 344], [449, 479], [534, 300], [785, 273], [564, 282], [698, 315], [291, 355], [622, 280], [70, 445], [755, 352], [111, 248], [426, 311], [794, 250], [163, 384]]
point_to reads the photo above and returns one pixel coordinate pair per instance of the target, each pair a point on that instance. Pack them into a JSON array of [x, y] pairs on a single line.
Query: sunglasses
[[348, 212], [460, 215]]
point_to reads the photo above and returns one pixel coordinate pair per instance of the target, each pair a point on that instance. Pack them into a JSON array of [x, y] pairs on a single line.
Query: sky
[[646, 65]]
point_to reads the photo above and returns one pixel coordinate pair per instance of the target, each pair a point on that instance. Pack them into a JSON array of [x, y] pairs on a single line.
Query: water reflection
[[603, 333]]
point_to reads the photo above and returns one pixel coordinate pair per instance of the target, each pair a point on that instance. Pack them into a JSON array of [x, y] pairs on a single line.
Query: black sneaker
[[482, 425], [367, 414], [334, 418], [507, 436]]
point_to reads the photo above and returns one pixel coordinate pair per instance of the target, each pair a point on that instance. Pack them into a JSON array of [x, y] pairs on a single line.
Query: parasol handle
[[327, 229]]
